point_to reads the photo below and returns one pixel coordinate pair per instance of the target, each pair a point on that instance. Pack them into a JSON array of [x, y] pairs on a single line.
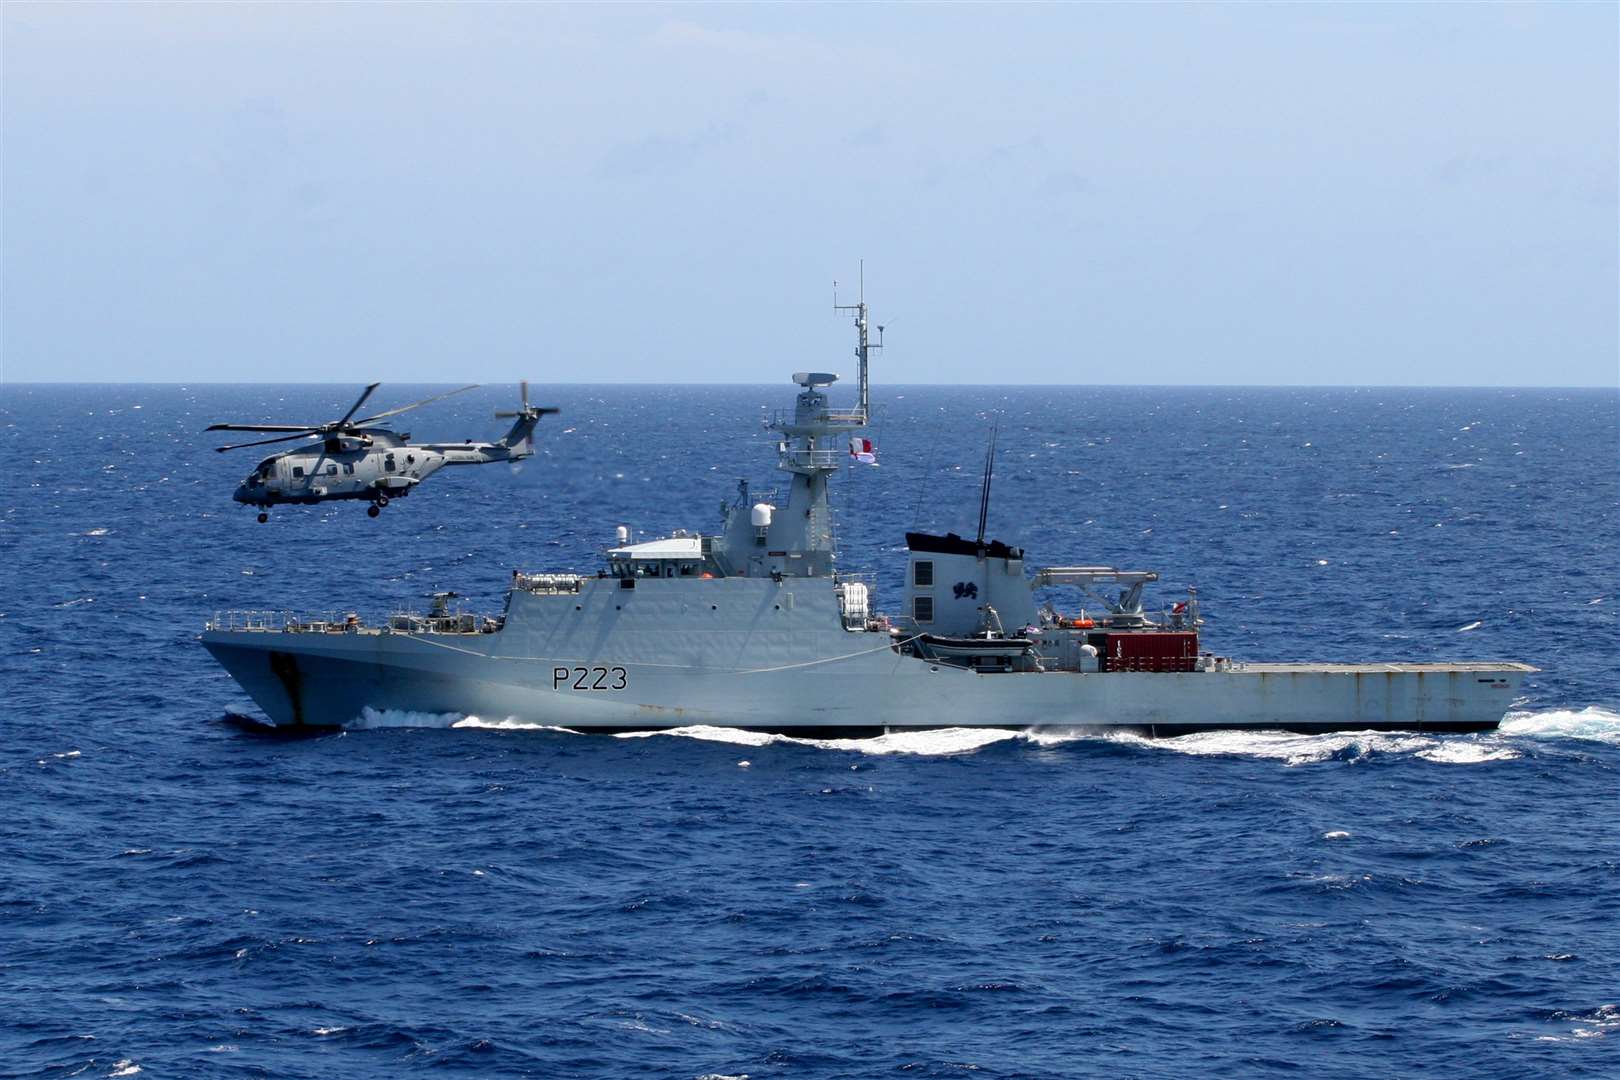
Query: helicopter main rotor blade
[[415, 405], [361, 400], [265, 442], [258, 427]]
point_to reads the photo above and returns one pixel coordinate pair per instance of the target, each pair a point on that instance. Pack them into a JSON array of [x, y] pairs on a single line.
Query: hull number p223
[[589, 678]]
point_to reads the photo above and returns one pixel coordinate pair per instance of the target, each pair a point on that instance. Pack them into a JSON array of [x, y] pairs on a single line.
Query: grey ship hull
[[763, 655]]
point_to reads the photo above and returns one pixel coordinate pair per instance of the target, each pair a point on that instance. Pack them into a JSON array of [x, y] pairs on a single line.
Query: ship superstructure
[[755, 627]]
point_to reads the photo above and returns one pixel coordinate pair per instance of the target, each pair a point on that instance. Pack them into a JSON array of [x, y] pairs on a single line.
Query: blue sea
[[185, 894]]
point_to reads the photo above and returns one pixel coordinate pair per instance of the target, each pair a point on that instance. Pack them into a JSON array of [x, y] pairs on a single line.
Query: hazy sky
[[1386, 194]]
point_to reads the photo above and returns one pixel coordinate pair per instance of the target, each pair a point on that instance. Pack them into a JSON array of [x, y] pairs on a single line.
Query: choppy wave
[[1593, 722], [388, 901]]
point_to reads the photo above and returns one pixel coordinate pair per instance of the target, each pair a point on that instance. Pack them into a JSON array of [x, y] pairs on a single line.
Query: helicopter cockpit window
[[298, 470], [331, 468], [348, 468], [388, 463]]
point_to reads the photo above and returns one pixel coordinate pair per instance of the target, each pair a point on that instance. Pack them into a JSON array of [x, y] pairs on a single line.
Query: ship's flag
[[861, 450]]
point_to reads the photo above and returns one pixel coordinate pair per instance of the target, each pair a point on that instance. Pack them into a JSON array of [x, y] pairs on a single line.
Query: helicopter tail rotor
[[528, 412], [502, 414]]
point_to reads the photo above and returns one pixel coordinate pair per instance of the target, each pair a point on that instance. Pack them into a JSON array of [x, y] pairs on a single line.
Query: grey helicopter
[[354, 459]]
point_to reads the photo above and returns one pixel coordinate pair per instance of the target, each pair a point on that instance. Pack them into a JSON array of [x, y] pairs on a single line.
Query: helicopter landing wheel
[[373, 510], [263, 517], [382, 500]]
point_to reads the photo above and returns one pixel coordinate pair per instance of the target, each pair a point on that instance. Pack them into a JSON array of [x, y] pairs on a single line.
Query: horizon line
[[903, 386]]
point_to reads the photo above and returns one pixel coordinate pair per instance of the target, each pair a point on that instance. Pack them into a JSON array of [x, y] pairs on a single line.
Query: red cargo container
[[1146, 650]]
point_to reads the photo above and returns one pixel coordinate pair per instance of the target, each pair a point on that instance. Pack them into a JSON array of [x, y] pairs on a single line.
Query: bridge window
[[922, 608], [922, 573]]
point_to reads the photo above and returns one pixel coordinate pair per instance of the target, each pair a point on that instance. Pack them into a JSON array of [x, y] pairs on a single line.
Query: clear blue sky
[[1383, 194]]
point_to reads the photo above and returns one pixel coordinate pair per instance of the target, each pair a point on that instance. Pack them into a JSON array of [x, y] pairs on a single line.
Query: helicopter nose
[[241, 495]]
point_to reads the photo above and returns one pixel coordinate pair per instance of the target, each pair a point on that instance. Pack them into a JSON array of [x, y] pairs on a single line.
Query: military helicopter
[[353, 459]]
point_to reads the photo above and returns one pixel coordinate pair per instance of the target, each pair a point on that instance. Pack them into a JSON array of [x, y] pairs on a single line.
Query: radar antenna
[[863, 350]]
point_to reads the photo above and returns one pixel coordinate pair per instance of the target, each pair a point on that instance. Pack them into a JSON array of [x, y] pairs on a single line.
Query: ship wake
[[959, 740], [1519, 733]]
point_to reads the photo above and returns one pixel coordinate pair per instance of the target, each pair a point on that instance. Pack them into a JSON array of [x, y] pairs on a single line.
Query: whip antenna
[[984, 490]]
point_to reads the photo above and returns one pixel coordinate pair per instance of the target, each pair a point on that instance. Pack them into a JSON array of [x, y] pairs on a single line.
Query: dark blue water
[[184, 896]]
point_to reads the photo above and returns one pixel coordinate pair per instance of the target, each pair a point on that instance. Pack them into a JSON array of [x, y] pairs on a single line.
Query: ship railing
[[456, 622], [548, 584], [348, 622], [243, 620], [789, 418], [287, 622], [810, 459]]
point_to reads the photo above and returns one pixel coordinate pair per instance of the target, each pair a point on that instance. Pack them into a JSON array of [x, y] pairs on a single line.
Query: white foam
[[405, 718], [1593, 722], [936, 741], [1461, 752], [510, 723], [1470, 626], [125, 1067], [708, 733], [1336, 834], [1292, 749]]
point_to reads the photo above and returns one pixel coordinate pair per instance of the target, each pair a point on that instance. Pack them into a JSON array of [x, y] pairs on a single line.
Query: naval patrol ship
[[755, 627]]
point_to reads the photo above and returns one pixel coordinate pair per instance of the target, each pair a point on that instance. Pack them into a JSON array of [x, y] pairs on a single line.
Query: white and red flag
[[862, 450]]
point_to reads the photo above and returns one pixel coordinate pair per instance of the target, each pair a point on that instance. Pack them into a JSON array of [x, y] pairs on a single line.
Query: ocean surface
[[183, 894]]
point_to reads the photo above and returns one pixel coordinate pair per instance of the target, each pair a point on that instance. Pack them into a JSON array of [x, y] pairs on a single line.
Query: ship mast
[[863, 350], [760, 540]]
